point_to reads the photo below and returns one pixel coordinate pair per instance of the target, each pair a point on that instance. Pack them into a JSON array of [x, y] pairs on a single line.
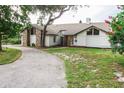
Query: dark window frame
[[90, 32], [33, 31], [93, 31], [96, 31], [75, 38]]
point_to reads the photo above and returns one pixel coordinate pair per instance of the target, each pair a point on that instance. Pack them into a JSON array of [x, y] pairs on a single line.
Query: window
[[54, 39], [96, 32], [89, 32], [93, 31], [33, 32], [75, 38]]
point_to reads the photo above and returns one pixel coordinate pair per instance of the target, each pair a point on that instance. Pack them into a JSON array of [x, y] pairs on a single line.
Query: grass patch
[[9, 55], [88, 67]]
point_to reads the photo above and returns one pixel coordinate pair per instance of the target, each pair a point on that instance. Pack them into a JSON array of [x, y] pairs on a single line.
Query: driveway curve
[[35, 69]]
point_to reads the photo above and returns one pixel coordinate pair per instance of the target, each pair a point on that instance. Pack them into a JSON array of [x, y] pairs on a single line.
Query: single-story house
[[77, 34]]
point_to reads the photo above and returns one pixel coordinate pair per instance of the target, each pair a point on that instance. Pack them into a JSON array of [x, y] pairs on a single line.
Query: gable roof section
[[72, 29], [92, 27]]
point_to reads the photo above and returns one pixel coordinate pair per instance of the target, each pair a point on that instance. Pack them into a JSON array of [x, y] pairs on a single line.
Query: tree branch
[[61, 12], [50, 19]]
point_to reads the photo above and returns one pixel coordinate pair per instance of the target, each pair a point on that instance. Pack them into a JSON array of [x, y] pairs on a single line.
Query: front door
[[62, 41], [69, 40]]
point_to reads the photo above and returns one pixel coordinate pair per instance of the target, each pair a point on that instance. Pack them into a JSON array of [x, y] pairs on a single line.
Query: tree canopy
[[51, 12], [13, 18], [117, 33]]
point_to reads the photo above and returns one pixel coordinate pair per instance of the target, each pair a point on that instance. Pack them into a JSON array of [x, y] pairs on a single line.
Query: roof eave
[[90, 27]]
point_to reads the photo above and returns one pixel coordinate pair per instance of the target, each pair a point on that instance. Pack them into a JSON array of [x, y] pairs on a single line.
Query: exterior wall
[[81, 39], [49, 41], [32, 39], [24, 38], [27, 39], [100, 40], [38, 38], [69, 40]]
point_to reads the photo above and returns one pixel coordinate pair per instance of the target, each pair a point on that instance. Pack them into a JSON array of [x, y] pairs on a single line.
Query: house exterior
[[80, 34]]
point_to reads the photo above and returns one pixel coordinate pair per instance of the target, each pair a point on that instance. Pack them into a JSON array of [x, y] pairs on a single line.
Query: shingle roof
[[71, 29], [50, 31]]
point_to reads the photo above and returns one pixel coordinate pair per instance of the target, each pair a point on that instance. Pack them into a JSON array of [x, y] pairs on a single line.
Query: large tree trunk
[[43, 36], [0, 42], [50, 20]]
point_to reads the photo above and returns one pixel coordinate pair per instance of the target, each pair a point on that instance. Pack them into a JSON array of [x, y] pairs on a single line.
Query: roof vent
[[88, 20]]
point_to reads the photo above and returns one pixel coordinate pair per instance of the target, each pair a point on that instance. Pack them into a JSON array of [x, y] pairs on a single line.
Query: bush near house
[[13, 40], [9, 55], [88, 67]]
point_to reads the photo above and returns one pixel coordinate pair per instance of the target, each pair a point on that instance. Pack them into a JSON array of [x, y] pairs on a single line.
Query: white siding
[[50, 40], [100, 40], [32, 39], [47, 41], [81, 39]]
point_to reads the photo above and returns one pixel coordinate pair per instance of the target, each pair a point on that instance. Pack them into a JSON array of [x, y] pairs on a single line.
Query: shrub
[[116, 35], [11, 41]]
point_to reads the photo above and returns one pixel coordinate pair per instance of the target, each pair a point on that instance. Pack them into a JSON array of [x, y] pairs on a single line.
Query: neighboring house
[[80, 34]]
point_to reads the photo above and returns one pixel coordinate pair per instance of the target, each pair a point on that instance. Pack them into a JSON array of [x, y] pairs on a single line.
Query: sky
[[97, 13]]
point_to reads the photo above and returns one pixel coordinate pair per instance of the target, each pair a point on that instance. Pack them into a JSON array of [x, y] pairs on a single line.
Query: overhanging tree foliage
[[13, 18], [48, 14], [117, 34]]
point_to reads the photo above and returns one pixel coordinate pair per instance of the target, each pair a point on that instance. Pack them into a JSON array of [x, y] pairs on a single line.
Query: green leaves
[[13, 18], [117, 39]]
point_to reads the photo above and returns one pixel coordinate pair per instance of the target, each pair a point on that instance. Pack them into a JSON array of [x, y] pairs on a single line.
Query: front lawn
[[9, 55], [88, 67]]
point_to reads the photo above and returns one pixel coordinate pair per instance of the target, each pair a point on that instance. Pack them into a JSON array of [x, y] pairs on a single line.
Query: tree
[[116, 36], [48, 14], [11, 18]]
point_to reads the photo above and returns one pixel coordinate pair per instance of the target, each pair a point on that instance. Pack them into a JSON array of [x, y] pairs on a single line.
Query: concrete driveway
[[35, 69]]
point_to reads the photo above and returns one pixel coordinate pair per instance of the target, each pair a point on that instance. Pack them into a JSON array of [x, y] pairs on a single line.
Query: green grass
[[9, 55], [88, 67]]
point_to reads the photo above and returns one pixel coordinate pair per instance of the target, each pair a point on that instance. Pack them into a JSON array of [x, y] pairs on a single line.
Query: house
[[78, 34]]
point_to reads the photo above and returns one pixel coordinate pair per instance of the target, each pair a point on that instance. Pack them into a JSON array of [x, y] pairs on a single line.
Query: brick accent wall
[[38, 38], [26, 38], [24, 42]]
